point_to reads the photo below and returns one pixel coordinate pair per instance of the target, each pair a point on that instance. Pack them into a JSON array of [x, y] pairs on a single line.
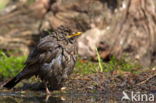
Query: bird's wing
[[44, 52]]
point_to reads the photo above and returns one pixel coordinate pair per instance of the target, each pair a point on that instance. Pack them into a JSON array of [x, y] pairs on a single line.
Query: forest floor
[[96, 87], [87, 83]]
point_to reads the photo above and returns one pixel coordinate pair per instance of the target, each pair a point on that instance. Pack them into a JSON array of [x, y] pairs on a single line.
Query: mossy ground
[[89, 78], [10, 66]]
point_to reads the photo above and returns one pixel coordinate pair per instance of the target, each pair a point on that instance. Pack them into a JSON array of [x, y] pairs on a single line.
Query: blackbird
[[52, 60]]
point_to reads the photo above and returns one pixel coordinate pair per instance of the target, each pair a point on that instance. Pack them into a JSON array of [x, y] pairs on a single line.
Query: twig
[[146, 80]]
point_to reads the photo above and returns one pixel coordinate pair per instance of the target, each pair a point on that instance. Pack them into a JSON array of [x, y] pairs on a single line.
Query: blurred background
[[119, 36]]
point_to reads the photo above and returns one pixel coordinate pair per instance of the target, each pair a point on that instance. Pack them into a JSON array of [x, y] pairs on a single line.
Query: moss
[[10, 66], [87, 67]]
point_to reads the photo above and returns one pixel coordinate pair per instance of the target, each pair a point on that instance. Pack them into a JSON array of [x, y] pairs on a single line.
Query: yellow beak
[[76, 34]]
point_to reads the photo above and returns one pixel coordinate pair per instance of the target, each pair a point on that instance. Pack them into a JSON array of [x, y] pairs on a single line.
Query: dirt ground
[[97, 87]]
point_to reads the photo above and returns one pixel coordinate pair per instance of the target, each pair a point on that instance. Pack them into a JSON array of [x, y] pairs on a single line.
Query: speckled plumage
[[52, 60]]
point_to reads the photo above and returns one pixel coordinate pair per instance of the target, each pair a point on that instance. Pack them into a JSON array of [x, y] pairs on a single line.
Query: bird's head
[[67, 33]]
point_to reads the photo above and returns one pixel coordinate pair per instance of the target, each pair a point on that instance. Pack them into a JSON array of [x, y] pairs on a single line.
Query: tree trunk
[[134, 31]]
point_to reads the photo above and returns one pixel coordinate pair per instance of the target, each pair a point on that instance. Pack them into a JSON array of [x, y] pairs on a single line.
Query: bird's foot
[[47, 98], [47, 91]]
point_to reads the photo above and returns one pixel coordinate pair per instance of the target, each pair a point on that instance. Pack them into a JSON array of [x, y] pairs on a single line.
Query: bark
[[134, 31]]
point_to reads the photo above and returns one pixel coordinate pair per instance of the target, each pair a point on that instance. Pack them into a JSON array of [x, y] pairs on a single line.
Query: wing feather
[[46, 50]]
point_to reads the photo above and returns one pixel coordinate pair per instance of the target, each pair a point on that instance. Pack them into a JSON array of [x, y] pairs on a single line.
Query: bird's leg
[[47, 90], [47, 98]]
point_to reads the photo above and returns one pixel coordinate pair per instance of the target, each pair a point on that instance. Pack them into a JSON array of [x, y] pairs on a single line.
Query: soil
[[97, 87]]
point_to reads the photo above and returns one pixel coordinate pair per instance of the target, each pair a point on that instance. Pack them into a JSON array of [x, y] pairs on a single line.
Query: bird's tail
[[11, 83]]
